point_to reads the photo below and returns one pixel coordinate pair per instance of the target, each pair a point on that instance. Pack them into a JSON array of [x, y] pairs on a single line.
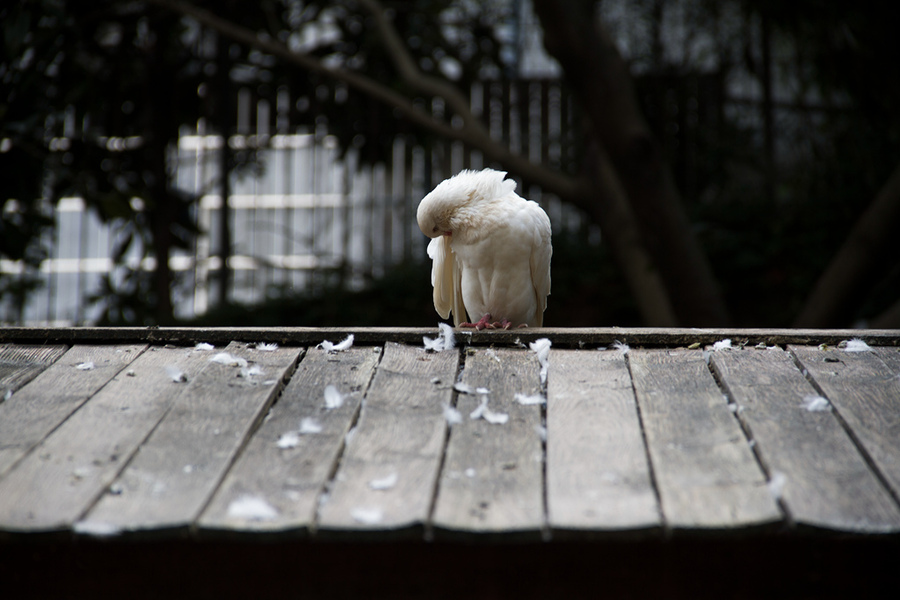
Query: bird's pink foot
[[484, 322]]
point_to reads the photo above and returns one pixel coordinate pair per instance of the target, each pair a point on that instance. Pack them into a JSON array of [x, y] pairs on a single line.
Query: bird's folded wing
[[446, 279], [541, 252]]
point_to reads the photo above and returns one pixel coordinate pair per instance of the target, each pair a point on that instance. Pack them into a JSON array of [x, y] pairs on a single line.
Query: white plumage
[[491, 251]]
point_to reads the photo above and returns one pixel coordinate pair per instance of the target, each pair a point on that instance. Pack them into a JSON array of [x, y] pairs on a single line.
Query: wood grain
[[291, 480], [492, 482], [865, 389], [19, 364], [827, 483], [388, 473], [175, 472], [56, 483], [598, 477], [705, 470], [38, 408]]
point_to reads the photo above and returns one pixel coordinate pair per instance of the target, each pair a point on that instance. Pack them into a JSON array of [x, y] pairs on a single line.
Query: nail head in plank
[[492, 481], [19, 364], [388, 472], [54, 485], [38, 408], [865, 388], [291, 479], [705, 470], [598, 478], [176, 471], [827, 483]]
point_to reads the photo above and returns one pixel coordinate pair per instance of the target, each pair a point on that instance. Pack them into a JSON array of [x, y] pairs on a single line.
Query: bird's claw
[[483, 323]]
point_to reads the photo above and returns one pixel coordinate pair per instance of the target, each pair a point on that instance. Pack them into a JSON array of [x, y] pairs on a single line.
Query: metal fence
[[305, 212]]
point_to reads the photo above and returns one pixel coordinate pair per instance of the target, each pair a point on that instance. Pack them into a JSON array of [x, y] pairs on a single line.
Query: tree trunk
[[161, 210], [872, 242], [600, 79], [620, 231]]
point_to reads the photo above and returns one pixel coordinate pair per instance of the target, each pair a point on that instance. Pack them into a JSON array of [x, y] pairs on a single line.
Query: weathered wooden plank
[[865, 389], [388, 473], [291, 479], [823, 479], [40, 406], [492, 481], [175, 472], [705, 470], [56, 483], [598, 477], [19, 364], [562, 337]]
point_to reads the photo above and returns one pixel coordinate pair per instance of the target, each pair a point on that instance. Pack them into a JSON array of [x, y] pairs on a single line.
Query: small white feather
[[444, 341], [463, 388], [252, 371], [96, 529], [483, 412], [479, 410], [85, 366], [722, 345], [776, 484], [331, 348], [620, 346], [367, 516], [264, 347], [451, 415], [333, 398], [532, 399], [309, 425], [541, 347], [251, 508], [229, 360], [433, 345], [855, 345], [175, 374], [204, 347], [383, 483], [815, 404], [288, 440], [494, 418]]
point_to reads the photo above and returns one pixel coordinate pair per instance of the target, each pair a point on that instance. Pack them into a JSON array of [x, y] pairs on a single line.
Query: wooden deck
[[654, 470]]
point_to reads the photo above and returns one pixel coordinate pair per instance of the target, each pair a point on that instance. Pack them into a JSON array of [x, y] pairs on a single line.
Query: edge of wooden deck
[[568, 336]]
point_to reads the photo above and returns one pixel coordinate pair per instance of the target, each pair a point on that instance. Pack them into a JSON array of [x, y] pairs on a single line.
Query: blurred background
[[703, 163]]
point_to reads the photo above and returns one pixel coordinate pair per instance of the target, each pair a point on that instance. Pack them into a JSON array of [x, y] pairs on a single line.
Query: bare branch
[[474, 135], [412, 76], [841, 288]]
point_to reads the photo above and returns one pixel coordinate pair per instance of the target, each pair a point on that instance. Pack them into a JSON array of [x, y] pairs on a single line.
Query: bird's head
[[435, 215], [455, 201]]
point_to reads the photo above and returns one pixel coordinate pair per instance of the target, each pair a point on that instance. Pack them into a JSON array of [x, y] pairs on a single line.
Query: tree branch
[[839, 289], [601, 80], [472, 133]]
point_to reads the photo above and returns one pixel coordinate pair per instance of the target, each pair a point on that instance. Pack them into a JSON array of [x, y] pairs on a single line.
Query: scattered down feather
[[490, 250]]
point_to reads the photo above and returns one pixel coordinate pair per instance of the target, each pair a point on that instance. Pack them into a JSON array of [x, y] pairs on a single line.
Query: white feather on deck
[[541, 348], [855, 345], [251, 508], [333, 398], [331, 348]]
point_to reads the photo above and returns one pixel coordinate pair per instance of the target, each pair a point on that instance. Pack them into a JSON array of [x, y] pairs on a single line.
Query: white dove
[[491, 251]]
